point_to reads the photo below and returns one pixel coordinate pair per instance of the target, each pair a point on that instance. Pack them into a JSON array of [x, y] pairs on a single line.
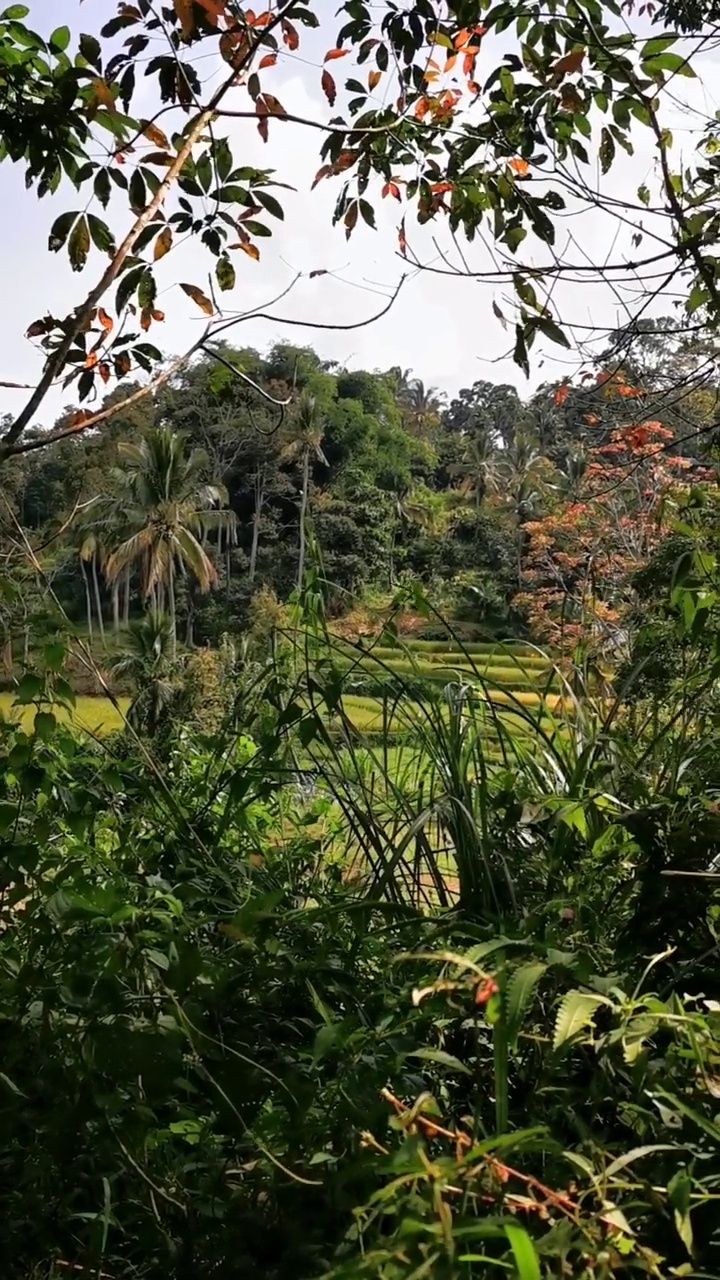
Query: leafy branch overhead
[[463, 114]]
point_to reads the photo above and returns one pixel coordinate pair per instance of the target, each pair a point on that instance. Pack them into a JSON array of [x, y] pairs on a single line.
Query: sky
[[443, 328]]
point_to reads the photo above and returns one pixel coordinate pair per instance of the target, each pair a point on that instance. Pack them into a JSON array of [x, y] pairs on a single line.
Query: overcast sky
[[442, 328]]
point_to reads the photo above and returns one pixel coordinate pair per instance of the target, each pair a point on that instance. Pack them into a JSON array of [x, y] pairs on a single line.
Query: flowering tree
[[581, 557]]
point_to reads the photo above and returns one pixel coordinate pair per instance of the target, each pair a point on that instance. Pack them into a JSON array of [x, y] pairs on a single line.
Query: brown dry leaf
[[103, 94], [268, 61], [163, 244], [91, 360], [335, 53], [319, 271], [251, 250], [105, 320], [519, 166], [199, 298], [570, 63], [104, 371], [158, 316], [329, 87], [374, 79], [156, 136], [290, 35], [186, 17]]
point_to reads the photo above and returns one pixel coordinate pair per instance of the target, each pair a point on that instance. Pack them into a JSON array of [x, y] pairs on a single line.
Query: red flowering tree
[[580, 559]]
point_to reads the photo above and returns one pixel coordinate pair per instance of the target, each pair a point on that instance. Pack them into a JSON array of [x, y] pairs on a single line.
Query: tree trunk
[[88, 599], [116, 605], [171, 604], [98, 600], [126, 601], [303, 515], [259, 504]]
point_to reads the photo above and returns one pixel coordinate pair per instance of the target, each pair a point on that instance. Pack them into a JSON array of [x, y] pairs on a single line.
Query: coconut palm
[[422, 405], [306, 445], [478, 468], [169, 511], [148, 662]]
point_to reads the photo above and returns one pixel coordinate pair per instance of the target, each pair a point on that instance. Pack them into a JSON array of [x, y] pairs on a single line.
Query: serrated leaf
[[79, 244], [163, 244], [225, 273], [576, 1012], [198, 298], [518, 995]]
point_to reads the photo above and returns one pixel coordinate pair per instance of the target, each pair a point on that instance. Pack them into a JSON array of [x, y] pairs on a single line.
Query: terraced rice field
[[92, 714]]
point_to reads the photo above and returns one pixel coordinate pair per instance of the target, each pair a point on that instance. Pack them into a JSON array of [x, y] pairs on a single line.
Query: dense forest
[[359, 782]]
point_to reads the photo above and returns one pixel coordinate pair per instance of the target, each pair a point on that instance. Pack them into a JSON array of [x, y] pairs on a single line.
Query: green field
[[93, 714]]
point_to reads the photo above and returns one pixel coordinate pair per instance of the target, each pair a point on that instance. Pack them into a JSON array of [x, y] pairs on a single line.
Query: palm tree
[[148, 662], [478, 468], [91, 550], [523, 481], [423, 405], [169, 511], [307, 444]]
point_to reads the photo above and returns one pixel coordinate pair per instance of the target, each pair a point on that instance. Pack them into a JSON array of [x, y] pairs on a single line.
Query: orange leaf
[[290, 35], [374, 79], [262, 20], [329, 87], [251, 250], [214, 9], [391, 189], [322, 173], [145, 319], [105, 320], [104, 94], [591, 419], [439, 188], [562, 394], [402, 239], [570, 63], [198, 298], [630, 391], [268, 61], [156, 136], [450, 62], [474, 87], [186, 17], [91, 360], [158, 316], [335, 53], [469, 64], [519, 166], [461, 38], [163, 244]]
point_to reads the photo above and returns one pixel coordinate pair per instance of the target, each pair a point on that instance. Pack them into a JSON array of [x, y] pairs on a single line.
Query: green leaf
[[637, 1153], [138, 192], [552, 331], [225, 273], [441, 1058], [699, 297], [520, 355], [643, 195], [518, 994], [127, 287], [367, 213], [269, 203], [672, 62], [607, 149], [60, 230], [102, 236], [514, 237], [526, 1260], [147, 290], [657, 45], [15, 13], [45, 725], [158, 958], [90, 50], [60, 39], [30, 688], [576, 1012], [79, 244]]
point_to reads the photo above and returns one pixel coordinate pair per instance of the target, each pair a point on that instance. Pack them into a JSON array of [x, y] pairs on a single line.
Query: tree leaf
[[441, 1057], [570, 63], [79, 244], [102, 236], [186, 17], [332, 54], [198, 298], [60, 39], [269, 202], [101, 187], [90, 50], [60, 230], [155, 135], [163, 244], [576, 1012], [127, 286], [552, 331], [329, 87], [518, 994], [225, 273], [251, 250], [607, 149], [374, 79]]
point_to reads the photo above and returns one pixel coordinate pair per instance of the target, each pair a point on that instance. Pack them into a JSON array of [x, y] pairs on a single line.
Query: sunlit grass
[[92, 714]]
